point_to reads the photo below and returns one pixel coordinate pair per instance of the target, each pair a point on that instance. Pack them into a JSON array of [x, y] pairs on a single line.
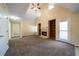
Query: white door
[[3, 36]]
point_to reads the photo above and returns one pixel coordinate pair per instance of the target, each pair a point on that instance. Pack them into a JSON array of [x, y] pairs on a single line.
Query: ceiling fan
[[35, 6]]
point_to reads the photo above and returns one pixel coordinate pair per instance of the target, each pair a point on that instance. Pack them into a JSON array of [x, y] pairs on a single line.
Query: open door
[[3, 36], [39, 29], [52, 29]]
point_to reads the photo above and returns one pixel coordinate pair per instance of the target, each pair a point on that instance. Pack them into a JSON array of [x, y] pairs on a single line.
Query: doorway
[[39, 29], [52, 29], [15, 30]]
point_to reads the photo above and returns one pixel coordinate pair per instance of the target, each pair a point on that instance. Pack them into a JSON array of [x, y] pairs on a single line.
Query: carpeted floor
[[36, 46]]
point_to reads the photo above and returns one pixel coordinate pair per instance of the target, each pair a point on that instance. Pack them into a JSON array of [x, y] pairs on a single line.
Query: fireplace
[[44, 33]]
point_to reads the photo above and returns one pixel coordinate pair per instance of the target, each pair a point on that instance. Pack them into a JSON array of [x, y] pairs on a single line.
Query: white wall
[[27, 28], [75, 28]]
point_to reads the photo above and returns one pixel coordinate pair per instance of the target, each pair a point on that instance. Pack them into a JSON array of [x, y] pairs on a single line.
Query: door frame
[[39, 29], [69, 28], [11, 29]]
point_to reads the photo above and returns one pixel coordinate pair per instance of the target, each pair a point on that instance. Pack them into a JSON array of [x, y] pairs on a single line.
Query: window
[[35, 28], [63, 30]]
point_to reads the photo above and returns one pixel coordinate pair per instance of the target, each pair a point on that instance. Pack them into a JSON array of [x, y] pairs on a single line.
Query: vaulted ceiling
[[74, 7], [22, 9], [17, 9]]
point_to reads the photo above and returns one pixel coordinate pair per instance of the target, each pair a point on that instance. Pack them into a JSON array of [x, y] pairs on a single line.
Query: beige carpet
[[36, 46]]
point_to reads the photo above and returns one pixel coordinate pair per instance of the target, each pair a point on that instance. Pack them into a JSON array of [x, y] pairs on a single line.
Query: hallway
[[36, 46]]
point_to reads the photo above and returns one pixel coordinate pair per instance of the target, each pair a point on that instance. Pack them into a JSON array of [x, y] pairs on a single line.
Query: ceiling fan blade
[[33, 4], [37, 4], [32, 8], [39, 8]]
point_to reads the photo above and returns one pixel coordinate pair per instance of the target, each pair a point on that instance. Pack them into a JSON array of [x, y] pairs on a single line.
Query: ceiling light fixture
[[13, 17], [50, 6]]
